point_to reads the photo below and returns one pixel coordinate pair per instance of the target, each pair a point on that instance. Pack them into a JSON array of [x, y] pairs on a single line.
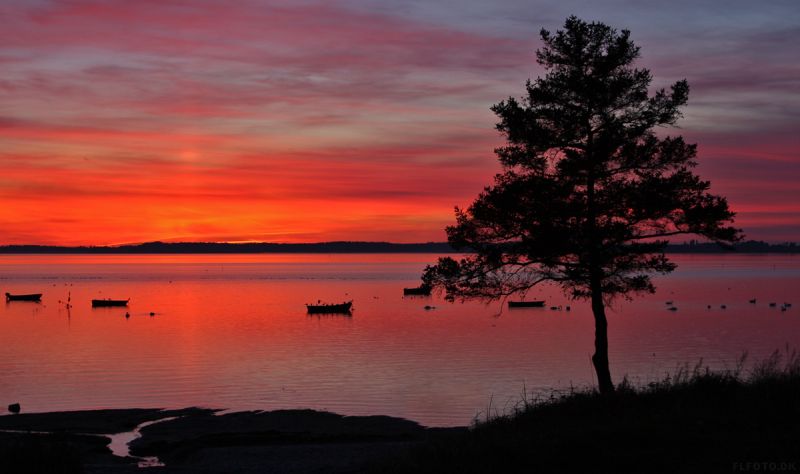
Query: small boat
[[422, 290], [526, 304], [109, 302], [30, 297], [330, 308]]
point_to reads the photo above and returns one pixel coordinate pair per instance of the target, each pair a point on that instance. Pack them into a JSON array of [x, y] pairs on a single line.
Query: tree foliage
[[587, 182], [590, 191]]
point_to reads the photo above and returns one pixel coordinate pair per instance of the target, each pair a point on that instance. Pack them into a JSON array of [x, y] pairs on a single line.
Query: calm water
[[231, 331]]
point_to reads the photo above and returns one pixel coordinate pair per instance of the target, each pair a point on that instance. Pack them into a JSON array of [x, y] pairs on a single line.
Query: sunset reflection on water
[[231, 331]]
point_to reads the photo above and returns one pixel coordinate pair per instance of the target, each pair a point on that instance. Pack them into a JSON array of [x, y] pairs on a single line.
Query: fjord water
[[231, 331]]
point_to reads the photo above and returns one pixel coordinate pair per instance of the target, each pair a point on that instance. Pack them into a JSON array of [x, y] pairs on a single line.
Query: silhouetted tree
[[589, 191]]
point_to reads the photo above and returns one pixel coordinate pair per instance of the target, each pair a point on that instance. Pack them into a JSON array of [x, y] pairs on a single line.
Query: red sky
[[353, 120]]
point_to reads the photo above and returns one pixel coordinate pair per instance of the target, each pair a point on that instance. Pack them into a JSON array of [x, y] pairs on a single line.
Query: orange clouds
[[269, 197], [172, 120], [153, 121]]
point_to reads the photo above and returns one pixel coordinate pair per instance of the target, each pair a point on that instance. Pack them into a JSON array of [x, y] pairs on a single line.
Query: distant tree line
[[750, 246]]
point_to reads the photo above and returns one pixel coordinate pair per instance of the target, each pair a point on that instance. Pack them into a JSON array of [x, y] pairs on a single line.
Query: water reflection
[[232, 331]]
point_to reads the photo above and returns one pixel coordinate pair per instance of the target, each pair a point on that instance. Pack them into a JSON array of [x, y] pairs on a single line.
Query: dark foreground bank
[[205, 441], [695, 421]]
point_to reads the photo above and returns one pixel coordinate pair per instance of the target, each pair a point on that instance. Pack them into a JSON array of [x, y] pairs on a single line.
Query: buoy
[[753, 301], [152, 313], [127, 315], [722, 306]]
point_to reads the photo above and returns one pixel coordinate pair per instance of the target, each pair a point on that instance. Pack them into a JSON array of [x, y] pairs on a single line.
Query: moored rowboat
[[29, 297], [423, 290], [109, 302], [526, 304], [330, 308]]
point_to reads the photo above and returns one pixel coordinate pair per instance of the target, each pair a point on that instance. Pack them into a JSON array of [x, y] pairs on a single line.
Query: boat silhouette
[[28, 297], [422, 290], [526, 304], [329, 308], [109, 302]]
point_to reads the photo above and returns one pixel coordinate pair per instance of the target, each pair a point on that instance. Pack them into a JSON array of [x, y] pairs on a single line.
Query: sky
[[305, 121]]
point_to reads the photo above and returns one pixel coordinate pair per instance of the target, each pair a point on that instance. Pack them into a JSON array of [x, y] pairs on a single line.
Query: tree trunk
[[600, 357]]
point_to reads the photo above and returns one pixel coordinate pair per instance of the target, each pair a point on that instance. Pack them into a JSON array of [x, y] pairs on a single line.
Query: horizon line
[[348, 246], [214, 242]]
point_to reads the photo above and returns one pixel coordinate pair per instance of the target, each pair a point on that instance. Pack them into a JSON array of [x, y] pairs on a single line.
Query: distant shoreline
[[237, 248], [347, 247]]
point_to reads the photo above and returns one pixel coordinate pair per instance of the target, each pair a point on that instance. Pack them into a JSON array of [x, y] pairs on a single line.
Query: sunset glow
[[124, 122]]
